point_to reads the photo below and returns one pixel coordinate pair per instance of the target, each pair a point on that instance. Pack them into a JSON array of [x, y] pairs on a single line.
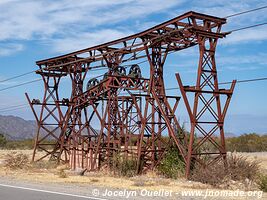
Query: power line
[[18, 107], [229, 16], [12, 109], [229, 82], [17, 76], [131, 58], [245, 81], [234, 30], [247, 27], [14, 106], [247, 11], [18, 85], [92, 69], [25, 83]]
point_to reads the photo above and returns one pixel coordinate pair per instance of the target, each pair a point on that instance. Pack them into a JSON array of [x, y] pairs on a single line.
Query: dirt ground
[[50, 174], [43, 173]]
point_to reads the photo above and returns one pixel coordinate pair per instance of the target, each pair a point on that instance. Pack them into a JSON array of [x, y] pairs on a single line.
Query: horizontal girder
[[173, 35]]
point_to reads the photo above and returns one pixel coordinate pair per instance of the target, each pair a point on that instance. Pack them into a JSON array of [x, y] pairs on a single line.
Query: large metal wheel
[[91, 83], [121, 71], [135, 71]]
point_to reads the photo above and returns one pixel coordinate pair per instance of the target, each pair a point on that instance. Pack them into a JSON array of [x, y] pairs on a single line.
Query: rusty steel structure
[[122, 113]]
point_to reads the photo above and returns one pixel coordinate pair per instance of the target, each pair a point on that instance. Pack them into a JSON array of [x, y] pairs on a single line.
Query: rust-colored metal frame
[[145, 112], [207, 113], [48, 117]]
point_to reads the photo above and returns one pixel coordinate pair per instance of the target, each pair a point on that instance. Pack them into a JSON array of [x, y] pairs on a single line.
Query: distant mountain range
[[16, 128]]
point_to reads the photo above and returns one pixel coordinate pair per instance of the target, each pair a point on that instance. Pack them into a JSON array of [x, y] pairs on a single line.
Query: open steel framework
[[126, 115]]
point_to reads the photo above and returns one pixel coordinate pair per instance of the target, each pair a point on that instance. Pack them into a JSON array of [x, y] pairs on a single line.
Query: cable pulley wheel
[[91, 83], [135, 71]]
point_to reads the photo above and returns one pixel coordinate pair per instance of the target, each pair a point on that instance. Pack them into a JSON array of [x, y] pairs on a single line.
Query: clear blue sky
[[31, 30]]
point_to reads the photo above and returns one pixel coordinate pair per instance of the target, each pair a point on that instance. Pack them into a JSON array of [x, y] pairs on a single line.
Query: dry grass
[[48, 173], [16, 161], [241, 173], [257, 156], [3, 153], [51, 174]]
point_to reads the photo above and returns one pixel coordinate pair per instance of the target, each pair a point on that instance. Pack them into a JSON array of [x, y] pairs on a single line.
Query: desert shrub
[[128, 167], [133, 141], [244, 143], [3, 141], [172, 165], [20, 144], [213, 174], [262, 182], [26, 144], [62, 174], [247, 143], [124, 167], [16, 160], [238, 168]]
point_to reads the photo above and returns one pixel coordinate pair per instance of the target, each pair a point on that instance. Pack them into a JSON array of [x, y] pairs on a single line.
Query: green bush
[[263, 183], [128, 167], [20, 144], [247, 143], [172, 165], [124, 167], [3, 141], [244, 143]]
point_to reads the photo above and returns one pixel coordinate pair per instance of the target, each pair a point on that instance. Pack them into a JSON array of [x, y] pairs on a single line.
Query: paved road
[[12, 189], [17, 190], [10, 192]]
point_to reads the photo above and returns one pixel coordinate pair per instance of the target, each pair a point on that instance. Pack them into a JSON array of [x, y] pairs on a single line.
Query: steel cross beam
[[176, 34], [48, 116], [208, 112], [74, 124], [85, 146], [151, 145], [105, 90]]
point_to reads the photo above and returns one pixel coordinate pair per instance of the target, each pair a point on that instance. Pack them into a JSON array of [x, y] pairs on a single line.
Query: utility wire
[[245, 81], [21, 106], [247, 11], [230, 82], [12, 109], [18, 76], [18, 85], [247, 27], [14, 106], [234, 30], [229, 16], [25, 83]]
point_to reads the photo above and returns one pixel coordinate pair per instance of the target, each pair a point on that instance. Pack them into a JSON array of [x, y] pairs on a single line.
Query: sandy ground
[[43, 174]]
